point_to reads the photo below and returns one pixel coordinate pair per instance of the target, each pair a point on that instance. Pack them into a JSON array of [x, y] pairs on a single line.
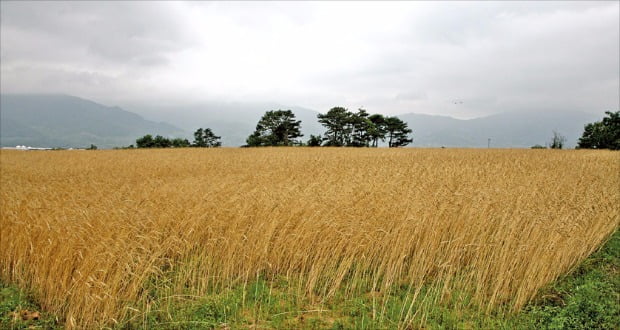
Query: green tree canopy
[[161, 142], [145, 141], [397, 132], [337, 121], [603, 134], [276, 128], [377, 130], [360, 129], [205, 138], [361, 126], [148, 141], [179, 143], [315, 141]]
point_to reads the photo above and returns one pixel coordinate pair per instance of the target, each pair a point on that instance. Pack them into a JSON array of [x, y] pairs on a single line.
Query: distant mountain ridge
[[505, 130], [53, 120], [68, 121]]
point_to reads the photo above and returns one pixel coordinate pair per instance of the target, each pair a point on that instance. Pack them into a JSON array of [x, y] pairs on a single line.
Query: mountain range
[[521, 129], [68, 121]]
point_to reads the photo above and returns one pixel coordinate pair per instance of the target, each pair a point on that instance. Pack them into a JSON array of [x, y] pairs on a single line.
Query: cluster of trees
[[557, 141], [276, 128], [604, 134], [203, 138], [343, 128], [361, 129]]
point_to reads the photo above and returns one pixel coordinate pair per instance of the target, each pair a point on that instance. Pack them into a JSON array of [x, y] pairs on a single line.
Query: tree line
[[361, 129], [343, 129], [604, 134], [280, 128], [203, 138]]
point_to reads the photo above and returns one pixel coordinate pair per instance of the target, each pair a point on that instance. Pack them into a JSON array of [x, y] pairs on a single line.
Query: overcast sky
[[462, 59]]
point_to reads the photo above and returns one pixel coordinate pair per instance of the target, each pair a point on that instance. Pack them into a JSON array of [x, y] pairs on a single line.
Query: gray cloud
[[392, 57], [108, 30], [562, 58]]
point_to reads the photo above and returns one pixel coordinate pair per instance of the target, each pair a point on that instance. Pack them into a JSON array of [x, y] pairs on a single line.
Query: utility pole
[[489, 143]]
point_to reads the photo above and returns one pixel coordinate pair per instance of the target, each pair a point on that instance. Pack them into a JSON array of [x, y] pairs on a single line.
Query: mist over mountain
[[506, 130], [42, 120], [68, 121]]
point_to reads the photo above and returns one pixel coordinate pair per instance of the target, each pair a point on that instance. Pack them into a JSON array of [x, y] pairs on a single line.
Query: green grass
[[586, 298], [14, 300]]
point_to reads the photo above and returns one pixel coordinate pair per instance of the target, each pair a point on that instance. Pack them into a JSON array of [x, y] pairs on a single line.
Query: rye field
[[298, 237]]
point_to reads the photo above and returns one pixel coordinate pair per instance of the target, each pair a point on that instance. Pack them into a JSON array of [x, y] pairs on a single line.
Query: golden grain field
[[87, 230]]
